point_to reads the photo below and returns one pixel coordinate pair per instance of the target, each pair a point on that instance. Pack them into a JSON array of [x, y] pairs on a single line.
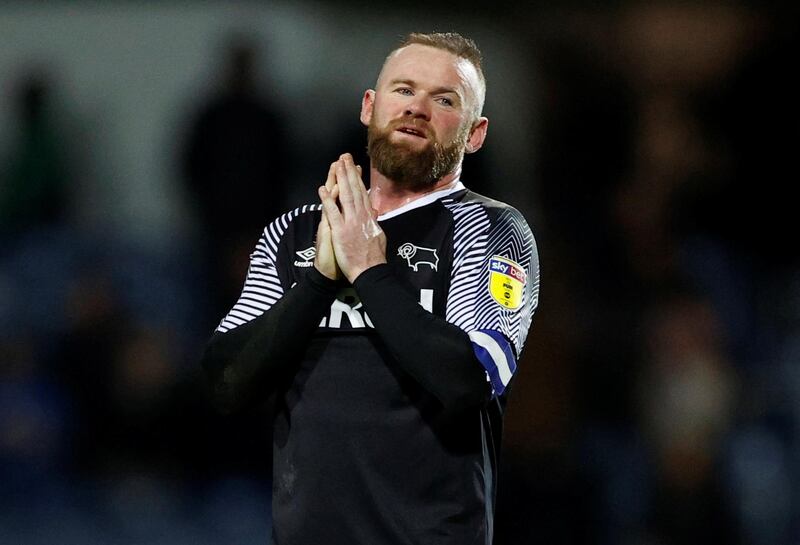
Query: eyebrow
[[437, 91]]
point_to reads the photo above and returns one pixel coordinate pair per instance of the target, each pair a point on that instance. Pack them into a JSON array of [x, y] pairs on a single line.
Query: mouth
[[412, 131]]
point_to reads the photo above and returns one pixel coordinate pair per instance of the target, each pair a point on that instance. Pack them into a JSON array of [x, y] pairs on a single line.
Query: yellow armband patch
[[506, 282]]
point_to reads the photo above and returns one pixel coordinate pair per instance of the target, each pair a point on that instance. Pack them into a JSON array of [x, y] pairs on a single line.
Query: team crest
[[506, 282], [417, 255]]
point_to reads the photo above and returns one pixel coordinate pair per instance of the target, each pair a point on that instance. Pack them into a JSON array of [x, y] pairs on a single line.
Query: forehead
[[428, 65]]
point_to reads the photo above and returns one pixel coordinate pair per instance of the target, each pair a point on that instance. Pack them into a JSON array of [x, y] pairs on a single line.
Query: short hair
[[458, 45]]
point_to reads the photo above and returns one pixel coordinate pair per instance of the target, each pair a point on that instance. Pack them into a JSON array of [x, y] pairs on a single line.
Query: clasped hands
[[349, 239]]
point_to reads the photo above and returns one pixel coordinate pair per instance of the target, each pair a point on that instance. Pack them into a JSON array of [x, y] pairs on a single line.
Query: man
[[387, 323]]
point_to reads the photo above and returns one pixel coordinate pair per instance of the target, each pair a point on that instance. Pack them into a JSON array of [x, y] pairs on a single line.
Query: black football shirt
[[364, 453]]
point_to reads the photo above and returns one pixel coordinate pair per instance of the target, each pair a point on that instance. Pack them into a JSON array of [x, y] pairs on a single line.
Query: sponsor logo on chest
[[348, 312]]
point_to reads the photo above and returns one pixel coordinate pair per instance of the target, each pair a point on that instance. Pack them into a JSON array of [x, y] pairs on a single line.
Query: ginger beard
[[410, 168]]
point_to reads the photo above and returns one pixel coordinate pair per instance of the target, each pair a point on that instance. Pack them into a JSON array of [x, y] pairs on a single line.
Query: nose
[[418, 108]]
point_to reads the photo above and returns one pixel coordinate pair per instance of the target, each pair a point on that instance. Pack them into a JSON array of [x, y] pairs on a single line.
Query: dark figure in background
[[234, 167], [32, 186], [387, 324]]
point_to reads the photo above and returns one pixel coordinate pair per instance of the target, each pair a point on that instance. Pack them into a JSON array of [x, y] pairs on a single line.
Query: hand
[[325, 258], [358, 241]]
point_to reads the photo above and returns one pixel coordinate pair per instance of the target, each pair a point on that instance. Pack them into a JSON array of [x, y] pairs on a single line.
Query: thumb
[[324, 229]]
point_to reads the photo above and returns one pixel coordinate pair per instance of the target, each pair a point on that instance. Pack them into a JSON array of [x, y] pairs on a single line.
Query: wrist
[[319, 281], [327, 272], [355, 272]]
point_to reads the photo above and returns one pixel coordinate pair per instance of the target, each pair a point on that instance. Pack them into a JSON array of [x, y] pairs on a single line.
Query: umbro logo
[[418, 255], [307, 256]]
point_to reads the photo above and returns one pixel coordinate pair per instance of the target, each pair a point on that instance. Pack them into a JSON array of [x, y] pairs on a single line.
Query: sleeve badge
[[506, 282]]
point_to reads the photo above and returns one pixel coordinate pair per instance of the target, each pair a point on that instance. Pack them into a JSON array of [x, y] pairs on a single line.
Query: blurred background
[[144, 145]]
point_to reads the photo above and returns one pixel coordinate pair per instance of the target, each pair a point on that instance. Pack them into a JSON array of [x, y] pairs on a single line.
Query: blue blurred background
[[143, 146]]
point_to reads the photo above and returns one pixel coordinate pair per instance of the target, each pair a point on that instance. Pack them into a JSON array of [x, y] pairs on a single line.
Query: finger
[[353, 173], [346, 195], [324, 229], [330, 182], [366, 203], [332, 186], [354, 179], [331, 211], [323, 233], [334, 193]]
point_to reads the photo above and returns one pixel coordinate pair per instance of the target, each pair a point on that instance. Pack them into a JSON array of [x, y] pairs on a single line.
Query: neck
[[386, 196]]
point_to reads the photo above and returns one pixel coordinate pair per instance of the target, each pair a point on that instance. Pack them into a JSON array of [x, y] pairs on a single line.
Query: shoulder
[[496, 212], [308, 213], [304, 218]]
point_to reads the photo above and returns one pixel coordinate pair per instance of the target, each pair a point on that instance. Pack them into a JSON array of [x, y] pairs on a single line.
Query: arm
[[457, 379], [256, 342], [494, 292], [252, 357], [468, 348]]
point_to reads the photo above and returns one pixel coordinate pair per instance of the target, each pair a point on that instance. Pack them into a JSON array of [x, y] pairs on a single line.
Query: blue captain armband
[[496, 355]]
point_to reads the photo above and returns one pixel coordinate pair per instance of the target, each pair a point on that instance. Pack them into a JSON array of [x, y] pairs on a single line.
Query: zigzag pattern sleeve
[[262, 287], [469, 251], [497, 333]]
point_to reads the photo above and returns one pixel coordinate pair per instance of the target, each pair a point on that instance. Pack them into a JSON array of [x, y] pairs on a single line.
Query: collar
[[422, 201]]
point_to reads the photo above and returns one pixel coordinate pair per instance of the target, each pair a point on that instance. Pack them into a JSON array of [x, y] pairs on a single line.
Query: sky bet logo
[[507, 267]]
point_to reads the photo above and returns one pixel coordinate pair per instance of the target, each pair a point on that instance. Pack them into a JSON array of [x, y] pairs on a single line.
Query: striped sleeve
[[262, 286], [494, 286]]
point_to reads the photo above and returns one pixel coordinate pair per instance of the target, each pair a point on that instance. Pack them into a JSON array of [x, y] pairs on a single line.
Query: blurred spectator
[[34, 180], [97, 325], [33, 416], [142, 415], [235, 170], [687, 396], [135, 410]]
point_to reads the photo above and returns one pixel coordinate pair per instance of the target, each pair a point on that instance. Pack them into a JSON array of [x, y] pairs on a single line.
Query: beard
[[410, 168]]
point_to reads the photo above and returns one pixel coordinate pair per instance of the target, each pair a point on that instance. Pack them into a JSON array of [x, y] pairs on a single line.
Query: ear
[[367, 103], [477, 135]]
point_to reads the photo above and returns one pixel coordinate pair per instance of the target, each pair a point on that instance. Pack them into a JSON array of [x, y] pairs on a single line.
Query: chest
[[419, 250]]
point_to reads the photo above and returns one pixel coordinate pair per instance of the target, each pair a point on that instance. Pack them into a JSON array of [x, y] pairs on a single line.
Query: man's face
[[420, 115]]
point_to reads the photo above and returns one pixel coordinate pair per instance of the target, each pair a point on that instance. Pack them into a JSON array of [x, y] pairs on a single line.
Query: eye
[[444, 101], [404, 91]]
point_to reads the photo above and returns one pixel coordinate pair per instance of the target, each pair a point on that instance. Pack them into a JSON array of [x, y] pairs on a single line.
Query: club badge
[[506, 282], [418, 255]]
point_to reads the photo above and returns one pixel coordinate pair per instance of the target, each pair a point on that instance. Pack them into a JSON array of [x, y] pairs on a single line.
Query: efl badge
[[506, 282]]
